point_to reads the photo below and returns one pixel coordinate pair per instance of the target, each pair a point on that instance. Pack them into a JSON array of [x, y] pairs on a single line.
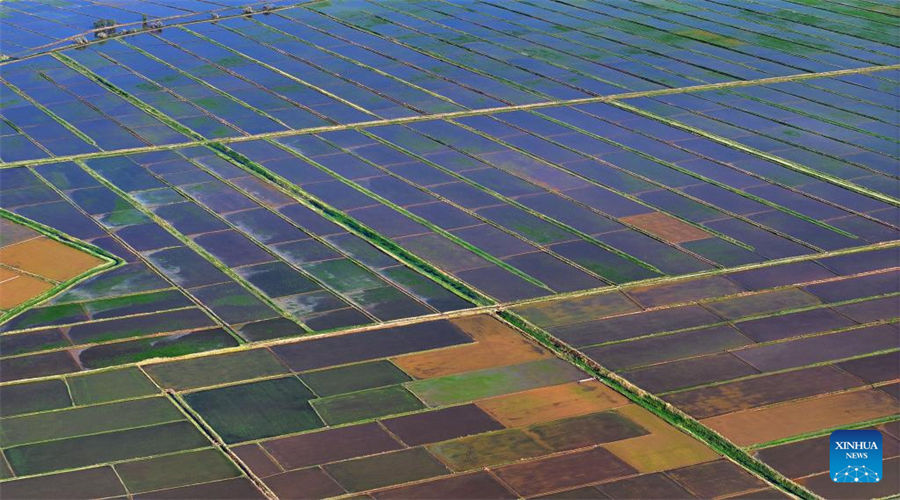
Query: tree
[[104, 28]]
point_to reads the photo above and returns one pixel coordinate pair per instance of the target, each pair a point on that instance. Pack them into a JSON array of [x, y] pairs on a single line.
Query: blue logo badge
[[855, 456]]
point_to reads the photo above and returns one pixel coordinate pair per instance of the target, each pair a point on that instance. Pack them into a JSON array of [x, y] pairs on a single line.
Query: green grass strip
[[314, 236], [308, 200]]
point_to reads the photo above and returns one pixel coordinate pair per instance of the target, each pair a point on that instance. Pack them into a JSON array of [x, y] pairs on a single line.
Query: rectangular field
[[446, 248]]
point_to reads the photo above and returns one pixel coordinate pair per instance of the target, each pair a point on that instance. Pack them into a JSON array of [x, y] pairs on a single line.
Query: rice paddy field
[[447, 248]]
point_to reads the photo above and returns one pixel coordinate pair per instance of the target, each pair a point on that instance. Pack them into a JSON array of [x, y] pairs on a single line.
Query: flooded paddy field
[[334, 63], [446, 249]]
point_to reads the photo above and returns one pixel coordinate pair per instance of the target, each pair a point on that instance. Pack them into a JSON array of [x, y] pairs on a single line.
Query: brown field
[[19, 288], [664, 448], [667, 227], [495, 345], [7, 274], [579, 310], [552, 403], [684, 291], [48, 258], [754, 426]]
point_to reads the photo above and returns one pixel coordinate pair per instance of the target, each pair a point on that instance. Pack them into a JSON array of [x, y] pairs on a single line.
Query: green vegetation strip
[[658, 407], [316, 237], [175, 125], [110, 260], [201, 141], [665, 411]]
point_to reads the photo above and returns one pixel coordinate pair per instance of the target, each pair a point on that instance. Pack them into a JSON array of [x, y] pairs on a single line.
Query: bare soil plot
[[33, 264], [666, 227], [20, 288], [493, 346], [48, 258], [748, 427]]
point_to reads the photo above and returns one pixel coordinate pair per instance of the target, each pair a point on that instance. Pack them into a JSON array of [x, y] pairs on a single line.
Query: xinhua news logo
[[855, 456]]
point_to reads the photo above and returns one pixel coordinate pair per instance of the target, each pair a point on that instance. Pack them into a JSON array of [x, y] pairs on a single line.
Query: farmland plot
[[445, 248], [450, 406], [812, 345]]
